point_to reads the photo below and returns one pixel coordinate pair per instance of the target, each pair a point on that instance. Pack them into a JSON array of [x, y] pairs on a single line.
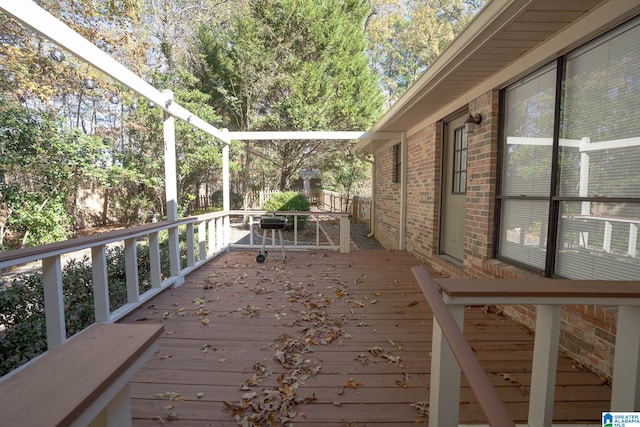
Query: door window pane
[[460, 161]]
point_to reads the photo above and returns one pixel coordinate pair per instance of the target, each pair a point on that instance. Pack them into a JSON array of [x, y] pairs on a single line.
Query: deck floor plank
[[226, 324]]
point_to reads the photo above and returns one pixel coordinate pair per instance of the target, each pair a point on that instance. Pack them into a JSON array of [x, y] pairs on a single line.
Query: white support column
[[444, 391], [100, 283], [226, 190], [131, 270], [202, 240], [191, 245], [171, 187], [345, 234], [625, 395], [53, 301], [545, 363], [154, 260]]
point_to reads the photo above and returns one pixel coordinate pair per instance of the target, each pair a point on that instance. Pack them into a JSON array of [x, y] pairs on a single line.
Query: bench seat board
[[60, 385], [539, 288]]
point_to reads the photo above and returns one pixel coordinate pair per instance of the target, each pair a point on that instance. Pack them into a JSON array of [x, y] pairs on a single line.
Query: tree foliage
[[405, 37], [290, 65]]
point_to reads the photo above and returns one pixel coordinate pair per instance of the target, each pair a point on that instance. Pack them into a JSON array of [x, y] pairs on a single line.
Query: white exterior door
[[454, 189]]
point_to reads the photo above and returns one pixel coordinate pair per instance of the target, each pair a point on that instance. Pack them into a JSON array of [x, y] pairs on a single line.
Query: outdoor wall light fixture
[[471, 122]]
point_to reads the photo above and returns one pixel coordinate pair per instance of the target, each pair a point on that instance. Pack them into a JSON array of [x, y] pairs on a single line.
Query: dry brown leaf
[[352, 383]]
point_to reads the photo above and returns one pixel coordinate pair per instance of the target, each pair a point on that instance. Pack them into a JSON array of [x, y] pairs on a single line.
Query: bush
[[22, 315], [289, 201]]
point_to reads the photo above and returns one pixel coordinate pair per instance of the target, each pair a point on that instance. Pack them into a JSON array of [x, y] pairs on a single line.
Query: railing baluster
[[131, 270], [625, 395], [202, 240], [100, 283], [219, 233], [212, 236], [345, 234], [191, 245], [295, 230], [154, 260], [53, 301], [545, 363]]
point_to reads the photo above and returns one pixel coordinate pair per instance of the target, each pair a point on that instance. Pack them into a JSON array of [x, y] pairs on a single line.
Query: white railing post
[[317, 231], [131, 270], [155, 270], [212, 236], [444, 392], [625, 394], [219, 233], [202, 240], [345, 234], [295, 230], [100, 283], [545, 363], [251, 230], [191, 245], [53, 301]]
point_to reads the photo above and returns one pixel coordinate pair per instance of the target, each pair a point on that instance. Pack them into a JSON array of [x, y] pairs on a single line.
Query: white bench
[[83, 382]]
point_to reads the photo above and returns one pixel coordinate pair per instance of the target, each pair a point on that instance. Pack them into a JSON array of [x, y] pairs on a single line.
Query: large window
[[569, 201]]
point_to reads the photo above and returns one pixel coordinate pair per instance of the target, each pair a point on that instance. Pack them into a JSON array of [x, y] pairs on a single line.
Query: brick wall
[[423, 191], [387, 201], [588, 332]]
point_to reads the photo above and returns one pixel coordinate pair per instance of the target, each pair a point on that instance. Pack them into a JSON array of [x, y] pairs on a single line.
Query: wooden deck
[[325, 339]]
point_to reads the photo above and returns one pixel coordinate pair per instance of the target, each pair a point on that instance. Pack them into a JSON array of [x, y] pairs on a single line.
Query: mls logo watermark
[[621, 419]]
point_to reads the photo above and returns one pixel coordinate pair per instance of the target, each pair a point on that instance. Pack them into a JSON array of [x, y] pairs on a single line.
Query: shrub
[[289, 201], [22, 315]]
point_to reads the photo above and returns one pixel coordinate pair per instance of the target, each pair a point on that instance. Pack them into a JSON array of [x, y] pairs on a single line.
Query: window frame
[[397, 163], [554, 199]]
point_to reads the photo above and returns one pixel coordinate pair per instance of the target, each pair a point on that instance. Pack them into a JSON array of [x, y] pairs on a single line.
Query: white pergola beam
[[311, 135], [41, 21]]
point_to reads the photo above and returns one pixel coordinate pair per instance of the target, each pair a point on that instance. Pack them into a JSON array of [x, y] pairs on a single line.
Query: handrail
[[206, 237], [493, 408]]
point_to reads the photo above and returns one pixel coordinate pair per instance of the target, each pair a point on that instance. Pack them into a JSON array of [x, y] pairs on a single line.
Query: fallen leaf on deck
[[422, 408], [512, 380], [404, 381], [413, 303], [205, 321], [352, 383], [171, 395], [199, 394]]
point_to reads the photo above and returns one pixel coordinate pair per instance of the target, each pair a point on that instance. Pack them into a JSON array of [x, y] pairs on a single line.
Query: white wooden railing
[[206, 236], [548, 295]]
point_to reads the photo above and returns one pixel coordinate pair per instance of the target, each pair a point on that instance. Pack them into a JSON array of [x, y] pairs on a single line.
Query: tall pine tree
[[291, 65]]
